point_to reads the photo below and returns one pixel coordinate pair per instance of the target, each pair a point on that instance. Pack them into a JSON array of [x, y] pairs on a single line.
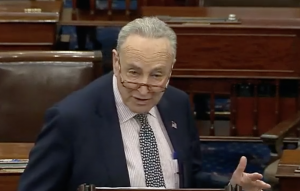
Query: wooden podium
[[9, 178], [289, 176], [86, 187]]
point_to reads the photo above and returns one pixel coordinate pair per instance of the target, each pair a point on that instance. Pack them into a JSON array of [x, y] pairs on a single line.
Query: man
[[127, 128]]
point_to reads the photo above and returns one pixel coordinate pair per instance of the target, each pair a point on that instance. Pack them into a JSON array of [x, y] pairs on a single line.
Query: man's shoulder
[[174, 94], [86, 98]]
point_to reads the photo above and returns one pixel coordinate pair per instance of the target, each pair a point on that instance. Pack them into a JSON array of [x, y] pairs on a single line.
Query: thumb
[[241, 167]]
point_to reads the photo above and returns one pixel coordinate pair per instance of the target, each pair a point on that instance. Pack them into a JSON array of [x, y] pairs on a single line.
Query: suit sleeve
[[49, 160]]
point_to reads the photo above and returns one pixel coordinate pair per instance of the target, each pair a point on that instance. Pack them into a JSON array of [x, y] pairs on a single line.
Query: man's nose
[[143, 90]]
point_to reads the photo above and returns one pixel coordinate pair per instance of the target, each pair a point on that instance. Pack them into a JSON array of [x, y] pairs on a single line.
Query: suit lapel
[[166, 115], [111, 138], [112, 149], [174, 134]]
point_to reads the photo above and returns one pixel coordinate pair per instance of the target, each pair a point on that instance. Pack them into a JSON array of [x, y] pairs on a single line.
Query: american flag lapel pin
[[174, 125]]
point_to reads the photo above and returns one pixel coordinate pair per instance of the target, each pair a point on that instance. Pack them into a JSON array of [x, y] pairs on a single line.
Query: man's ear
[[115, 61]]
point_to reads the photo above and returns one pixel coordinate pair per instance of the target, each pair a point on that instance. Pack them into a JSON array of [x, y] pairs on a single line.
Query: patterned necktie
[[149, 152]]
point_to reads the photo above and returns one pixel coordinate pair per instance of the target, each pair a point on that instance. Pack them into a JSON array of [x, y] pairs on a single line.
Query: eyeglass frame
[[139, 85]]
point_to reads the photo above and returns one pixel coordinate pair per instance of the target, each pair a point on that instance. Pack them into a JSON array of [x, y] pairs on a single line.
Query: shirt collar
[[124, 112]]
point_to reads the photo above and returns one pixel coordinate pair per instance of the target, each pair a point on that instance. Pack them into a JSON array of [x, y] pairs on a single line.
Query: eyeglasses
[[136, 85]]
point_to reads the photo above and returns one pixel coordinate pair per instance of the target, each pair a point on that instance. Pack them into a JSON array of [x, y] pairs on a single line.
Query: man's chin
[[140, 108]]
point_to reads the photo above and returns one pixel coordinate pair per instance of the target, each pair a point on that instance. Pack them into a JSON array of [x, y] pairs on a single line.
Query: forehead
[[140, 49]]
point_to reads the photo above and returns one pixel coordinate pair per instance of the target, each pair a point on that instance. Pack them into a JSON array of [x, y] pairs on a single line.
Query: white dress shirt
[[130, 135]]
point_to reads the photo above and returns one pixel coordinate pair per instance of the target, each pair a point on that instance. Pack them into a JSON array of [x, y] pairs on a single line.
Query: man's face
[[142, 61]]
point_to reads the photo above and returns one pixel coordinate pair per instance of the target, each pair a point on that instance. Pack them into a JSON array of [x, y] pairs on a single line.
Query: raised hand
[[248, 181]]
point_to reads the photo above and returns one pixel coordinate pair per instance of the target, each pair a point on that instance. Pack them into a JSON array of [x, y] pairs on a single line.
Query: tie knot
[[142, 118]]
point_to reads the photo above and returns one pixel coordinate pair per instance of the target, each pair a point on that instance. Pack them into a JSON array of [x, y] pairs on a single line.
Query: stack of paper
[[13, 165]]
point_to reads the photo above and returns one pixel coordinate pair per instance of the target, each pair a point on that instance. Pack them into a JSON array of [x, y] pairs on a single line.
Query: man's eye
[[132, 72], [156, 75]]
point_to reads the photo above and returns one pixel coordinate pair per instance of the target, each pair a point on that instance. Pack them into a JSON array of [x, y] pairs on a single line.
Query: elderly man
[[127, 128]]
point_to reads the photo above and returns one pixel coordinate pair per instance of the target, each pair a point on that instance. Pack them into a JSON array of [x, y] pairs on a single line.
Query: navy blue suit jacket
[[81, 141]]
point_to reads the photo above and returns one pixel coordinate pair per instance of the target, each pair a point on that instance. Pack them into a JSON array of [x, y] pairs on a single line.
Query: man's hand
[[249, 182]]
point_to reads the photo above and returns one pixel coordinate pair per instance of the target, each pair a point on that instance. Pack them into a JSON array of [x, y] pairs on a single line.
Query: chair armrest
[[274, 137]]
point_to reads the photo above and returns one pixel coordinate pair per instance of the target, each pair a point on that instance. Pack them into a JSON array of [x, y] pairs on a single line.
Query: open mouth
[[141, 101]]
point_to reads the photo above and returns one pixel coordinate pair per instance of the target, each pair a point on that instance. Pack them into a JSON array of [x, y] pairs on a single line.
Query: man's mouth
[[141, 100]]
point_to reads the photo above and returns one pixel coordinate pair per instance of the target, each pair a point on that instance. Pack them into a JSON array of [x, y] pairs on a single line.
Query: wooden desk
[[236, 50], [9, 180], [288, 179], [91, 187], [84, 18], [28, 25], [248, 15]]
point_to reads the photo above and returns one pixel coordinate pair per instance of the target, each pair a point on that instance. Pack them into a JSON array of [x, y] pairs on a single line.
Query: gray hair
[[150, 27]]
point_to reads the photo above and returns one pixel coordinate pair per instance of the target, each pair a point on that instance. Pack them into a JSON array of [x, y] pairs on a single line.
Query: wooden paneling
[[208, 52]]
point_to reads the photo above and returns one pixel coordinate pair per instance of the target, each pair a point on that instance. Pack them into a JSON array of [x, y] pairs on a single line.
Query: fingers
[[255, 176], [241, 166], [262, 185], [254, 182]]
